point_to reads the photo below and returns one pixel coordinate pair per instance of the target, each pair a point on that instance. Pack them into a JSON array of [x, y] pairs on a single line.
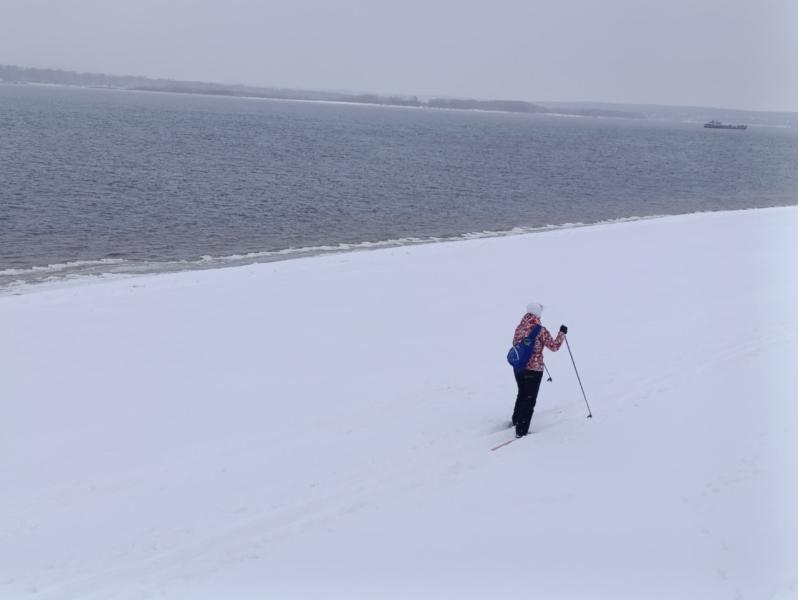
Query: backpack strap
[[533, 335]]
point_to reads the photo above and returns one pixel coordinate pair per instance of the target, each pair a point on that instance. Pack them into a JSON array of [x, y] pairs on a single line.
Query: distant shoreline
[[31, 76], [553, 113]]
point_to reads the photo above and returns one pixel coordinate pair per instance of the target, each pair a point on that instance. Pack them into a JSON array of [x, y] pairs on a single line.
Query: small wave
[[411, 241], [13, 279], [58, 267]]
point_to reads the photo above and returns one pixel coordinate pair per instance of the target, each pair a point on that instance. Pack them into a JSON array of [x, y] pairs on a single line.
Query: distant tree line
[[385, 100], [56, 76], [516, 106]]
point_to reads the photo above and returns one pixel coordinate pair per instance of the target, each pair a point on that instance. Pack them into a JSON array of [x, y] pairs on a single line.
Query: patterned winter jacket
[[544, 339]]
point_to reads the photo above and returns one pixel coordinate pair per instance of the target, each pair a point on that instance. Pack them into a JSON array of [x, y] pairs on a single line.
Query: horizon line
[[541, 103]]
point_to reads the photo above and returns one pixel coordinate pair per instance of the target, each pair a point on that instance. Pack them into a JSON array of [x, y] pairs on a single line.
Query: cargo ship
[[718, 125]]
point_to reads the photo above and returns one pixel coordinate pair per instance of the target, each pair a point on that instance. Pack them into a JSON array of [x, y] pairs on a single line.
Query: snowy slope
[[321, 427]]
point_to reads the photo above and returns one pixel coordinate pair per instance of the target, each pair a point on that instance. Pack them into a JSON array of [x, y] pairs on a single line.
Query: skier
[[529, 378]]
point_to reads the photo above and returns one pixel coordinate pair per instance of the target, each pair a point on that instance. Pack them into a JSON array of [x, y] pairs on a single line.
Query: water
[[95, 181]]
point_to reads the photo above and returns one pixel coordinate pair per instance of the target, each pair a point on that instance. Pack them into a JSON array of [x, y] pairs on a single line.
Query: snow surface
[[321, 427]]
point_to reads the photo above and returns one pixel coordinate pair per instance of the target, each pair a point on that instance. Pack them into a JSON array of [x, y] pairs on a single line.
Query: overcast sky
[[725, 53]]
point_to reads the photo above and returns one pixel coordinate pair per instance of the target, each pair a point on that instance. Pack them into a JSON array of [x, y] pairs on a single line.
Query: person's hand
[[563, 329]]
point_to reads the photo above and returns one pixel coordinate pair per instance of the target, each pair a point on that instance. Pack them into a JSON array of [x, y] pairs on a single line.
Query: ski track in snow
[[163, 439]]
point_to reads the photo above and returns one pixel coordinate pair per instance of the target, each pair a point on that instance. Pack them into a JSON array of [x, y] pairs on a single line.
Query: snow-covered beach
[[321, 427]]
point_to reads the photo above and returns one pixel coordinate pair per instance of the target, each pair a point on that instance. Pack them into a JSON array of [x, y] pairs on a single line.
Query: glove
[[563, 329]]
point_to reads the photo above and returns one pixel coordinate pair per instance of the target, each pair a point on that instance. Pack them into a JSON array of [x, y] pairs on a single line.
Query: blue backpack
[[519, 355]]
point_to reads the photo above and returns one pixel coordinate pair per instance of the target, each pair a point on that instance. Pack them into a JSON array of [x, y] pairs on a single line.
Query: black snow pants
[[528, 386]]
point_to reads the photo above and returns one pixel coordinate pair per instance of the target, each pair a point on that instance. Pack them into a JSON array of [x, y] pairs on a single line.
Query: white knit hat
[[535, 308]]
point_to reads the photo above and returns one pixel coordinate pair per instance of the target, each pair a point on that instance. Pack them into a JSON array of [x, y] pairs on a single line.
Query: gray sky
[[726, 53]]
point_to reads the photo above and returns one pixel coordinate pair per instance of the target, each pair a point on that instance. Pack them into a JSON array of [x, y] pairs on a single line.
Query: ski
[[503, 444]]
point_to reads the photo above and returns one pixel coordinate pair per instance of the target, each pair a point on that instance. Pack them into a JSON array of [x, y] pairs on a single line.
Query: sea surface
[[103, 181]]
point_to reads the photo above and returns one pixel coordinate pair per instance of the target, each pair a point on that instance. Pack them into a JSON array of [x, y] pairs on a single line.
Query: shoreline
[[85, 272], [544, 113]]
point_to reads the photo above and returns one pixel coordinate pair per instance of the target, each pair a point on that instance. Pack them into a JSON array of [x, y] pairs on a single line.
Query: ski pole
[[589, 413], [547, 372]]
